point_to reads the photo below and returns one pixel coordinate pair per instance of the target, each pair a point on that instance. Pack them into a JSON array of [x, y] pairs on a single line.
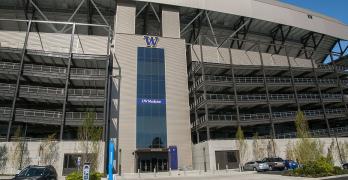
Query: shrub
[[321, 167], [78, 176]]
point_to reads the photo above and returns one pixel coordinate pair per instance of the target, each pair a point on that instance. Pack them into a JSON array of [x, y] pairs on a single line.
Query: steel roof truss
[[284, 34]]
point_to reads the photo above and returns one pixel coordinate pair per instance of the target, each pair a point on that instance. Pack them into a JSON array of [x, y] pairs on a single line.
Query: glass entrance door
[[150, 161]]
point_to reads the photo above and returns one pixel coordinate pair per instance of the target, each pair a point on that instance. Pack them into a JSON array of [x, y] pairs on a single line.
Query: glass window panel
[[151, 116]]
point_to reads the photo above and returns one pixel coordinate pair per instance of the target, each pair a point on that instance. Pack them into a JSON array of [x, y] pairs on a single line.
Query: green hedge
[[319, 168], [78, 176]]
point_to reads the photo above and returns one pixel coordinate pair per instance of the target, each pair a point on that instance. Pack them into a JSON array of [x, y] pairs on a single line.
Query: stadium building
[[169, 80]]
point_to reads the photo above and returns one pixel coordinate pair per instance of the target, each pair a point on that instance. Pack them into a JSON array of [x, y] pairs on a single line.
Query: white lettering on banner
[[151, 101]]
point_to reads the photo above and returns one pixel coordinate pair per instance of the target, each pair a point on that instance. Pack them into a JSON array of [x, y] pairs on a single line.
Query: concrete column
[[125, 17], [170, 22]]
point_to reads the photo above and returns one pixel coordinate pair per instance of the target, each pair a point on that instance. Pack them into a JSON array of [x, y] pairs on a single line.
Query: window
[[151, 131]]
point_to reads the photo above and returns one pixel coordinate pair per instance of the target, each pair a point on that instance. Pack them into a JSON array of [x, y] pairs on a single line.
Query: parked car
[[37, 173], [251, 166], [262, 166], [271, 164], [290, 164], [345, 166]]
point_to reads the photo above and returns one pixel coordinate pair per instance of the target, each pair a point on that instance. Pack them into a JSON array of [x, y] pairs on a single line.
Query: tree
[[3, 157], [241, 145], [306, 149], [271, 148], [48, 151], [289, 151], [20, 156], [258, 149], [89, 137], [344, 151], [330, 152]]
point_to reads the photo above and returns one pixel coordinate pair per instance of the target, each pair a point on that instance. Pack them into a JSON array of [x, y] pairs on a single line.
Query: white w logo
[[151, 41]]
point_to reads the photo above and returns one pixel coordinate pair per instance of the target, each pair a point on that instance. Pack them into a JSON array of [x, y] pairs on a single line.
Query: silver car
[[251, 166], [262, 166]]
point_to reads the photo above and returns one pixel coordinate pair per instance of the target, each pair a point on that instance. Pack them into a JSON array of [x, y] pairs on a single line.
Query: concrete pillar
[[170, 22], [125, 17]]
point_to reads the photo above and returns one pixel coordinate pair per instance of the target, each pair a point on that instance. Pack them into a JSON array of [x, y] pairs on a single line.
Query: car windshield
[[35, 171]]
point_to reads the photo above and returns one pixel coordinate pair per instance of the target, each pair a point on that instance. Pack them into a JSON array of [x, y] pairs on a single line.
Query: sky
[[332, 8]]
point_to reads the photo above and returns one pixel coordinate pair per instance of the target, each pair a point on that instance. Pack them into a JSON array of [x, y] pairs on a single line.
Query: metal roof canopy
[[218, 28]]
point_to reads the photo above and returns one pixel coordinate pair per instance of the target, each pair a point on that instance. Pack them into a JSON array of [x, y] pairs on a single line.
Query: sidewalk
[[217, 175]]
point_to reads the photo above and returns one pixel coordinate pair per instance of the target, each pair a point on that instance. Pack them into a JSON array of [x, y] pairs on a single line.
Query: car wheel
[[270, 168], [254, 168]]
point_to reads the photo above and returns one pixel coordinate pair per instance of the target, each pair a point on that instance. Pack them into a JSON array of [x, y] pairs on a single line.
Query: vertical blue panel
[[173, 154], [111, 160], [151, 130]]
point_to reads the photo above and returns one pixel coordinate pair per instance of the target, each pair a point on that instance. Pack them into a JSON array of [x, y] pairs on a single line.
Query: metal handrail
[[53, 69], [48, 114], [263, 97], [263, 116], [259, 80], [40, 90]]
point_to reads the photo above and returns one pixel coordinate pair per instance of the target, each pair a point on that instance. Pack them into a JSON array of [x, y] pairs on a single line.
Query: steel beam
[[206, 111], [267, 92], [67, 80], [73, 15], [89, 17], [154, 11], [193, 77], [19, 75], [188, 25], [211, 27], [106, 87], [279, 29], [234, 88], [339, 83], [292, 80], [234, 33], [43, 16], [320, 96]]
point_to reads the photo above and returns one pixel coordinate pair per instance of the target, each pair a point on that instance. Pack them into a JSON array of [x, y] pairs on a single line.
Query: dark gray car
[[251, 166], [37, 173]]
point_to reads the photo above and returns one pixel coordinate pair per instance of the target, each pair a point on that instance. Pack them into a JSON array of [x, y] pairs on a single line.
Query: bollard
[[226, 168], [170, 171], [154, 171], [218, 167], [184, 172], [139, 173]]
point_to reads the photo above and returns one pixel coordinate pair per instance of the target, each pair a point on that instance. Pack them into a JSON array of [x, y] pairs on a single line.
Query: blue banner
[[111, 160], [173, 155]]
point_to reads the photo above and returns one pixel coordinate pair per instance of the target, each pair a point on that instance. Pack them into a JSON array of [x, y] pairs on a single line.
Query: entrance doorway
[[150, 160]]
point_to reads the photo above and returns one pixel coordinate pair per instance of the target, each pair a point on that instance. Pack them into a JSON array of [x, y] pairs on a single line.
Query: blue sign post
[[111, 160]]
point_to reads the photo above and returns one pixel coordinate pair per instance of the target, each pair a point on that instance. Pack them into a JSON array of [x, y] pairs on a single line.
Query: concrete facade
[[224, 145], [65, 147], [178, 126]]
